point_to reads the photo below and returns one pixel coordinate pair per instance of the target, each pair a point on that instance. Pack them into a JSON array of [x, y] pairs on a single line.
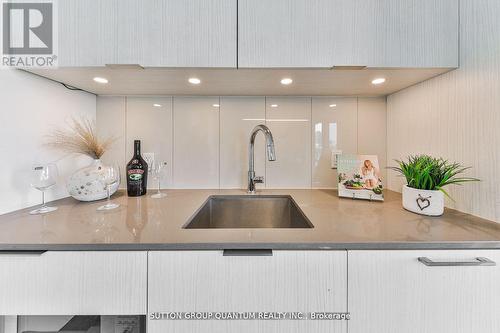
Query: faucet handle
[[258, 179]]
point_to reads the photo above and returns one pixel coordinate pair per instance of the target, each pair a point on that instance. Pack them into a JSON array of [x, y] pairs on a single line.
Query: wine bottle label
[[135, 174]]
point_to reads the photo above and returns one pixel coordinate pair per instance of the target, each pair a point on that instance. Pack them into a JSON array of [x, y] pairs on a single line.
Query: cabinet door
[[73, 283], [151, 33], [191, 33], [392, 292], [207, 281], [324, 33], [96, 33]]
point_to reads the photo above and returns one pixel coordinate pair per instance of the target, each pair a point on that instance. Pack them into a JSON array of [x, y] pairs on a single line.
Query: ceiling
[[239, 82]]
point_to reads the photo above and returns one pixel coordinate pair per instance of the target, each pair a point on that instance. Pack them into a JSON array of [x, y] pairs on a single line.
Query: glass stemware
[[110, 175], [43, 177], [158, 172]]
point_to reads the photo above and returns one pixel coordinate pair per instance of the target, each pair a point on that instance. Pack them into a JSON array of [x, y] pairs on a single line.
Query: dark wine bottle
[[137, 173]]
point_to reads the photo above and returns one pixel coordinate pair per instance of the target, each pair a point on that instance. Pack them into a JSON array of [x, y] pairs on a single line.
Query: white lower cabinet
[[455, 291], [394, 292], [73, 283], [207, 281]]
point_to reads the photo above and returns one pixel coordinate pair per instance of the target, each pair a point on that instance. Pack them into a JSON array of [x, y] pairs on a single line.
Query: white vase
[[424, 202], [85, 183]]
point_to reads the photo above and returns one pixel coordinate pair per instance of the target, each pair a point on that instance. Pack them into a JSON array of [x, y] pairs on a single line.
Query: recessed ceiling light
[[379, 80], [100, 80], [157, 105], [332, 105], [215, 105], [286, 81], [274, 105], [194, 80]]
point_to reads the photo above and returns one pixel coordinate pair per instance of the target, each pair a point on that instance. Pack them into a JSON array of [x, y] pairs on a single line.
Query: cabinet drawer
[[73, 283], [287, 281], [451, 292]]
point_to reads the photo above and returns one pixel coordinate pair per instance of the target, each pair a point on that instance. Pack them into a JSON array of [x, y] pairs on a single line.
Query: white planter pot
[[423, 202], [85, 183]]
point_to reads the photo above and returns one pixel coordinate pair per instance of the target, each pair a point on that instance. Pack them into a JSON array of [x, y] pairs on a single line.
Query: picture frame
[[359, 177]]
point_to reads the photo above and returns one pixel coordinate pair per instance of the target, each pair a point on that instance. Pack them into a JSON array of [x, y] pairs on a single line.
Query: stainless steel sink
[[244, 211]]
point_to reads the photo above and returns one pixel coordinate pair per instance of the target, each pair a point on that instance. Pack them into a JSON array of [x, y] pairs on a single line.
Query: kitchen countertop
[[155, 224]]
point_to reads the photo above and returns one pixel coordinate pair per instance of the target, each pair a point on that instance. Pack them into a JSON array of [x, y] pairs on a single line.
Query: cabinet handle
[[22, 253], [479, 261], [248, 253]]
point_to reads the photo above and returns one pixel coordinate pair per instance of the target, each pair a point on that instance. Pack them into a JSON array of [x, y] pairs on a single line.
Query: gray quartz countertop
[[156, 224]]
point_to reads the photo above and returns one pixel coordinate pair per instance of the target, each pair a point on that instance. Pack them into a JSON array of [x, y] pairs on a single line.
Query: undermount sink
[[245, 211]]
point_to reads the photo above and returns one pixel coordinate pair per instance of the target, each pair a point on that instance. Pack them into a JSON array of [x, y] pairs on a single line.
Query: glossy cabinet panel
[[149, 119], [196, 142], [372, 133], [289, 119], [111, 121], [334, 128], [238, 116], [188, 133]]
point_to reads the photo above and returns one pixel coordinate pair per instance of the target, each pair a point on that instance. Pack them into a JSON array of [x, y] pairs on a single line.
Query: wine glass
[[43, 177], [109, 176], [158, 172]]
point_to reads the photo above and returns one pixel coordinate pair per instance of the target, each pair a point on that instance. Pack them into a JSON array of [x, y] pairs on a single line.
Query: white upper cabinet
[[151, 33], [191, 33], [259, 33], [96, 33], [326, 33]]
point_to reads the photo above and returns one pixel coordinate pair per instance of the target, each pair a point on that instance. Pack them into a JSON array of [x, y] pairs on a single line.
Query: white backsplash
[[289, 119], [158, 120], [196, 142], [238, 116], [204, 140], [334, 127], [31, 108]]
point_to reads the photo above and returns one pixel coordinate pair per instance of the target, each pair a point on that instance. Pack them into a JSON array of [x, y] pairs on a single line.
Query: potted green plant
[[426, 177]]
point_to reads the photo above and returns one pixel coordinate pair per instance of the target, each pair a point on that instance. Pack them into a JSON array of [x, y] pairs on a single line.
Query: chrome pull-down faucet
[[271, 156]]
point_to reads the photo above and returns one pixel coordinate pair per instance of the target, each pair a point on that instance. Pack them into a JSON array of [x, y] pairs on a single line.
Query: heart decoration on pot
[[422, 202]]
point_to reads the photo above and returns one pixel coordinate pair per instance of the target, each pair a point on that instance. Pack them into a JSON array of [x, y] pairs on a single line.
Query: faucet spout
[[271, 155]]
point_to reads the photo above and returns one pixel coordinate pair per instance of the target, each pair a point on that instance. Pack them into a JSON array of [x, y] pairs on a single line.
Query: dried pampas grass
[[80, 138]]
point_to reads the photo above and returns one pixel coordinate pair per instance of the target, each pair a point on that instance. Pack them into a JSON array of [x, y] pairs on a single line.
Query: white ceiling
[[239, 82]]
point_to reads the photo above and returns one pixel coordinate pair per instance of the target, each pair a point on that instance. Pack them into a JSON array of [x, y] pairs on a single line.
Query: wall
[[204, 140], [31, 106], [457, 115]]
